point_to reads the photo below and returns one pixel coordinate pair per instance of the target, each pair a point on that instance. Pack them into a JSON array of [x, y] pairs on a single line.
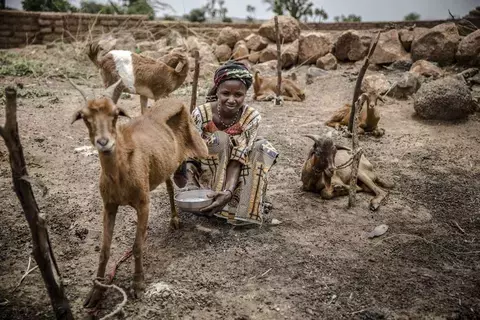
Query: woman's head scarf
[[232, 70]]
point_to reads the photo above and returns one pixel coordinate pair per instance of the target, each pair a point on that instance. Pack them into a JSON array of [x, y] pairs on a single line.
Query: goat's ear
[[122, 112], [77, 116]]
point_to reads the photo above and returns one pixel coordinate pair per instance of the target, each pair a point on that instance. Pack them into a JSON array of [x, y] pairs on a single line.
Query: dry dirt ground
[[318, 264]]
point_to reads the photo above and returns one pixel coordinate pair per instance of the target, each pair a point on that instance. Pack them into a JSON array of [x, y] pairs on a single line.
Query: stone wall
[[19, 28]]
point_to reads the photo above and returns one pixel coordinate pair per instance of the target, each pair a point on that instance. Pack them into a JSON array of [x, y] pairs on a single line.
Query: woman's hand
[[220, 200]]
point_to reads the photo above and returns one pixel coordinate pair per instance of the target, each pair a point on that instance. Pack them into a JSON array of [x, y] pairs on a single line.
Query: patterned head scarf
[[232, 70]]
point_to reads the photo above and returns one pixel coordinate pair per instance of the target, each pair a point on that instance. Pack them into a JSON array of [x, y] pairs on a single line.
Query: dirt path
[[318, 264]]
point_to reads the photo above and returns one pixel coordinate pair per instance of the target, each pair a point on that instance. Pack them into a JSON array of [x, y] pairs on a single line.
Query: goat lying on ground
[[265, 89], [141, 75], [327, 171], [368, 117], [135, 158]]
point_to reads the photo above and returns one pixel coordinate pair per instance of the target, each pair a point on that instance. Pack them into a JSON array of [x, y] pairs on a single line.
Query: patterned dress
[[238, 142]]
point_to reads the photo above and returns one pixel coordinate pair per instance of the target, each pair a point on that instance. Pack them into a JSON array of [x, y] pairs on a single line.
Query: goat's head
[[323, 154], [372, 99], [100, 115]]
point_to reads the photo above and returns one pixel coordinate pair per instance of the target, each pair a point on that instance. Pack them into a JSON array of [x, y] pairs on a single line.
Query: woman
[[238, 165]]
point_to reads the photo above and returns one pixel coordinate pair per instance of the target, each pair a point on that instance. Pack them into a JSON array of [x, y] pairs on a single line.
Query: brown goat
[[149, 78], [320, 173], [265, 89], [368, 117], [135, 158]]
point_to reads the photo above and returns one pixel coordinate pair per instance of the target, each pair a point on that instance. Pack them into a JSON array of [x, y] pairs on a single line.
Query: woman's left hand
[[220, 199]]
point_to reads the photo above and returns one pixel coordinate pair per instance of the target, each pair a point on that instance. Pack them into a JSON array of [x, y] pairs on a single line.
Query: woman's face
[[231, 95]]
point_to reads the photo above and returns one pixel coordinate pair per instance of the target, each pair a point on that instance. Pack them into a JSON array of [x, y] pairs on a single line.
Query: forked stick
[[196, 74], [278, 100]]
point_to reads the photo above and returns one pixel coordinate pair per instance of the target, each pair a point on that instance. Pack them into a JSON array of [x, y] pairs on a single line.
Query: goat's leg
[[379, 193], [266, 97], [138, 246], [143, 104], [174, 219], [109, 214], [384, 183], [117, 93], [293, 96]]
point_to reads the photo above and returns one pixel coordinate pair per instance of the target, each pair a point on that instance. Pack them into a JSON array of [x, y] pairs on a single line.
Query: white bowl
[[193, 200]]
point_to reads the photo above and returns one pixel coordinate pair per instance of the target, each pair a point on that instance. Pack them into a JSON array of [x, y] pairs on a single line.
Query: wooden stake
[[358, 84], [42, 250], [278, 99], [196, 74]]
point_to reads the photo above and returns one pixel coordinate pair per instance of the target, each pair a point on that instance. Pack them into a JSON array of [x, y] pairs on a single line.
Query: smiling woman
[[238, 163]]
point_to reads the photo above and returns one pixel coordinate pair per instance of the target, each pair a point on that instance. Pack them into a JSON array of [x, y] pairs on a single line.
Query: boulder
[[469, 49], [192, 44], [223, 52], [438, 44], [207, 54], [327, 62], [240, 50], [444, 99], [175, 39], [313, 73], [268, 54], [123, 41], [405, 87], [404, 64], [254, 56], [313, 46], [351, 46], [389, 48], [406, 38], [268, 68], [290, 54], [256, 42], [228, 36], [426, 68], [289, 29], [375, 83], [146, 46]]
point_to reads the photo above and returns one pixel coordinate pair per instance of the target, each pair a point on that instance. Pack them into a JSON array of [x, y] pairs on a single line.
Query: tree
[[412, 16], [276, 6], [320, 14], [349, 18], [94, 7], [48, 5], [251, 10], [196, 15], [296, 8], [210, 8]]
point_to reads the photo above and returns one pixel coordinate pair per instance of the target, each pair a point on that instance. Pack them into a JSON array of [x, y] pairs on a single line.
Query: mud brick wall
[[20, 28]]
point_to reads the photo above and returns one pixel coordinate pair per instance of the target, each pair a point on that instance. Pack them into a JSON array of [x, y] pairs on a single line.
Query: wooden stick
[[358, 84], [42, 250], [196, 74], [278, 100]]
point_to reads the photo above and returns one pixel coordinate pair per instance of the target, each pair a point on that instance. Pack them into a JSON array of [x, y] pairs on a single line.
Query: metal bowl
[[193, 200]]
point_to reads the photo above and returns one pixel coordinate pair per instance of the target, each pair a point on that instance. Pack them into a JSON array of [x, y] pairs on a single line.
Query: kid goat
[[135, 158]]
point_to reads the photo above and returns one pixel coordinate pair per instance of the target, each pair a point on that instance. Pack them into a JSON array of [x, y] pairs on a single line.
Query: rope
[[120, 305]]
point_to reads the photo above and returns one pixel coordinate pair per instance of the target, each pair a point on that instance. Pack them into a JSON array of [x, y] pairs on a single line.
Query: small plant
[[18, 66]]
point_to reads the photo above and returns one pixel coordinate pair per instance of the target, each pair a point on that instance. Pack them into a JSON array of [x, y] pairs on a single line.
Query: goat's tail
[[93, 50]]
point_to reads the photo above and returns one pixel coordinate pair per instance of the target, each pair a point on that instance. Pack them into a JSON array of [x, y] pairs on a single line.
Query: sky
[[369, 10]]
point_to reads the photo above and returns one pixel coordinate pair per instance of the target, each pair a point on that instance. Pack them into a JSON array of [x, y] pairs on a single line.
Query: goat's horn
[[110, 90], [83, 93], [179, 66], [313, 137]]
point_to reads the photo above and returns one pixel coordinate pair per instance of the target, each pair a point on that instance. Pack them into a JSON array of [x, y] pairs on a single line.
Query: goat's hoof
[[175, 223], [374, 206], [138, 289], [94, 297]]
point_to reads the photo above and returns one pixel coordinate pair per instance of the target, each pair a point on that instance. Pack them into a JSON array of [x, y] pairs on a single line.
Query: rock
[[469, 49], [404, 64], [223, 52], [192, 44], [290, 54], [375, 83], [444, 99], [254, 56], [123, 41], [175, 39], [207, 55], [406, 38], [327, 62], [266, 68], [313, 73], [469, 73], [268, 54], [389, 48], [426, 69], [351, 46], [313, 46], [228, 36], [405, 87], [438, 44], [256, 42], [240, 50], [289, 29], [146, 46]]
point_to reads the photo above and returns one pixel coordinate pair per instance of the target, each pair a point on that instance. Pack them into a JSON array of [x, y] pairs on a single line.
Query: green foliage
[[296, 8], [196, 15], [251, 10], [48, 5], [141, 7], [349, 18], [17, 66], [412, 16], [168, 18], [94, 7], [227, 20]]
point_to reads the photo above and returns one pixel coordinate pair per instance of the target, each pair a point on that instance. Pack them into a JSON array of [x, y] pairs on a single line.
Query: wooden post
[[358, 84], [196, 74], [42, 250], [356, 152], [278, 99]]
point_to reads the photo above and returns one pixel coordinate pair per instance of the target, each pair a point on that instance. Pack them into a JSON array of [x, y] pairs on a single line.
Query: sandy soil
[[318, 264]]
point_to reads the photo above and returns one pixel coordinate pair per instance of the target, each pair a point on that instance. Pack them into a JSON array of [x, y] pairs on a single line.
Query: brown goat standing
[[368, 117], [135, 158], [327, 171], [265, 89], [149, 78]]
